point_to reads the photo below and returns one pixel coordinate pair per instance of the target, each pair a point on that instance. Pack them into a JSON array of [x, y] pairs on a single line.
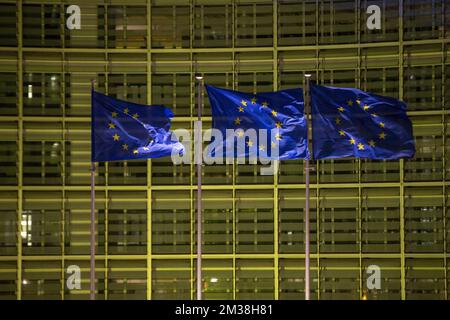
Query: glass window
[[42, 25], [213, 25], [171, 222], [339, 279], [254, 221], [380, 220], [254, 25], [8, 223], [175, 34], [254, 279], [127, 26], [171, 279], [8, 95]]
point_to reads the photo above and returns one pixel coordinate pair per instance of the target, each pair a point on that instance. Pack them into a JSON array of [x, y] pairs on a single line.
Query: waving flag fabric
[[348, 122], [124, 131], [279, 113]]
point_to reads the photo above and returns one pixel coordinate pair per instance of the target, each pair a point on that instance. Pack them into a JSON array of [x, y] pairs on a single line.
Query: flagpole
[[306, 226], [92, 232], [199, 187]]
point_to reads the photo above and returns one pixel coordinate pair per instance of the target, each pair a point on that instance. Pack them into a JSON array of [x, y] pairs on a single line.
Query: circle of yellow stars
[[116, 137], [274, 114], [371, 143]]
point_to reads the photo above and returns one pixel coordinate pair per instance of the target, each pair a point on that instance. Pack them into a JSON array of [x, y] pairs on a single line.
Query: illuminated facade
[[392, 214]]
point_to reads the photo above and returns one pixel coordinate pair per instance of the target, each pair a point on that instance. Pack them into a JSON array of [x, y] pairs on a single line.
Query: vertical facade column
[[106, 164], [317, 72], [358, 161], [62, 81], [20, 146], [149, 161], [234, 166], [275, 176], [193, 70], [362, 291], [444, 147], [402, 173]]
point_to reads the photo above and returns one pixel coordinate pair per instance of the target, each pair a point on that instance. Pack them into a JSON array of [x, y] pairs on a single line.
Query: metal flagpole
[[92, 238], [306, 229], [199, 187]]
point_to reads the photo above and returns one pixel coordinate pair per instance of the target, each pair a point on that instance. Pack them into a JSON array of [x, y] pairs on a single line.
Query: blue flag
[[348, 122], [280, 114], [123, 130]]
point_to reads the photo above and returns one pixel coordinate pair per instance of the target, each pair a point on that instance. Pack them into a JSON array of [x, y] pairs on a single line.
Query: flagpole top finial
[[199, 77], [308, 75]]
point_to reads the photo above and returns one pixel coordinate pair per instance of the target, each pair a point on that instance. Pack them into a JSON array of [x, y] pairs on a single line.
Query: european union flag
[[123, 131], [348, 122], [280, 114]]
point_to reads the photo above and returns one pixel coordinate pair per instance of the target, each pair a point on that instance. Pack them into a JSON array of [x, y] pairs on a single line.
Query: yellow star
[[135, 151], [262, 148], [241, 109], [342, 133], [250, 143], [366, 107], [381, 124], [372, 143], [337, 120], [278, 125], [135, 116], [374, 115], [240, 133], [350, 102], [111, 125], [273, 144], [265, 104], [360, 146], [244, 103], [274, 113], [125, 110], [352, 141], [116, 137], [253, 100], [358, 101], [278, 136], [237, 121], [114, 114], [125, 146], [341, 109], [382, 135]]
